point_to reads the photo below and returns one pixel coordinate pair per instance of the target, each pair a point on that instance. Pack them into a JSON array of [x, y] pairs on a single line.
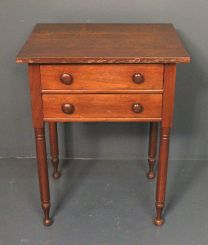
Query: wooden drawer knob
[[137, 108], [68, 108], [138, 78], [66, 78]]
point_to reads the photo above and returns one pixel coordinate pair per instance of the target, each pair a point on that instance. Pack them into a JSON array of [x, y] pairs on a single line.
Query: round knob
[[137, 108], [68, 108], [138, 78], [66, 78]]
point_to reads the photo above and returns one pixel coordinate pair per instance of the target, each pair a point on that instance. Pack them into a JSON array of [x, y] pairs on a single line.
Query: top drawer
[[102, 77]]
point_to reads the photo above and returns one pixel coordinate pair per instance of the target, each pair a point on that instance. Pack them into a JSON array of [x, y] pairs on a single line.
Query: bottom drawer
[[65, 107]]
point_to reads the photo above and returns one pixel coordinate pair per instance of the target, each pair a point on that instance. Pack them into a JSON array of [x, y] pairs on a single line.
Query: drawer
[[102, 77], [83, 106]]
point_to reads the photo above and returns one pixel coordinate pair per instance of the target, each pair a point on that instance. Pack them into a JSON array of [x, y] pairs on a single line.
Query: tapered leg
[[43, 174], [162, 175], [54, 149], [152, 149]]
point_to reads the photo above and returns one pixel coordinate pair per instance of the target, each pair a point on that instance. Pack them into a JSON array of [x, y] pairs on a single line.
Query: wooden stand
[[103, 73]]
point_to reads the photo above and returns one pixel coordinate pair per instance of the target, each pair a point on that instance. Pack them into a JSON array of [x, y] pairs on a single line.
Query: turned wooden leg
[[152, 149], [43, 174], [54, 149], [162, 175]]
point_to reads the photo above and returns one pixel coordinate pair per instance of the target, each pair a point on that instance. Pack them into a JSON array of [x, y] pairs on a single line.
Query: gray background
[[105, 140]]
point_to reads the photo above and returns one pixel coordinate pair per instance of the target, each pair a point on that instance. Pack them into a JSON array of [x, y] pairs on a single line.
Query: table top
[[103, 43]]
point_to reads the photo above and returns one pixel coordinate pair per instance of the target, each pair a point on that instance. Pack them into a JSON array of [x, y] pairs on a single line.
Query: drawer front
[[102, 106], [102, 77]]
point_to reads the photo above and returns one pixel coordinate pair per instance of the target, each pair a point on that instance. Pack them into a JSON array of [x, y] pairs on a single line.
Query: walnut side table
[[102, 73]]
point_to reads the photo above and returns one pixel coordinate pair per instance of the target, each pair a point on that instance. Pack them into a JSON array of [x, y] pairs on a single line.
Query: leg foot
[[56, 173], [151, 174], [159, 222], [47, 222], [159, 219]]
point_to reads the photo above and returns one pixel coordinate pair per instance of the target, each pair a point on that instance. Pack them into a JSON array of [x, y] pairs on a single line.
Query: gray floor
[[103, 203]]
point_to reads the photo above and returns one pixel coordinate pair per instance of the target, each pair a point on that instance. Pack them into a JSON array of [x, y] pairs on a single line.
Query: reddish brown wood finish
[[101, 106], [102, 77], [54, 149], [168, 95], [43, 174], [36, 97], [167, 117], [152, 149], [103, 43], [37, 117]]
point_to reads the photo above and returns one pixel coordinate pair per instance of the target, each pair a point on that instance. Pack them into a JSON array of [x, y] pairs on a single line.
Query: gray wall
[[102, 140]]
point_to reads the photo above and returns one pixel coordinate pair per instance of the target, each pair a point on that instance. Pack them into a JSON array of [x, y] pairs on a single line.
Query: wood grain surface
[[103, 43], [102, 77], [102, 106]]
